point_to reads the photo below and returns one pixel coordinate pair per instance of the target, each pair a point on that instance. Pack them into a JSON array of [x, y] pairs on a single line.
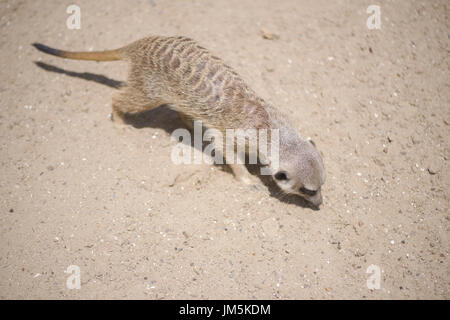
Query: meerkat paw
[[116, 118], [247, 179], [119, 123], [242, 175], [252, 183]]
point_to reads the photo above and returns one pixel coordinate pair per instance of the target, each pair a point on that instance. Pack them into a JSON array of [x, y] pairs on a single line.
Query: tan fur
[[179, 72], [108, 55]]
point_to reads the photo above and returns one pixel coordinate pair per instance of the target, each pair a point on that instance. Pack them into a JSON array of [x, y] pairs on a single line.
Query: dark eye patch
[[281, 176], [308, 192]]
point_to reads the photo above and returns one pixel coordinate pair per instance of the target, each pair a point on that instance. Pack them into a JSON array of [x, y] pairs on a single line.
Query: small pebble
[[269, 35]]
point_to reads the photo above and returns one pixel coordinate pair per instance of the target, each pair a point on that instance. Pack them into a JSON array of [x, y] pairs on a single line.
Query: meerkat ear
[[312, 142]]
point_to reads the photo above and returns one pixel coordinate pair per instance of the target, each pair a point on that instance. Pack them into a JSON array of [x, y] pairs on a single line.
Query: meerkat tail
[[108, 55]]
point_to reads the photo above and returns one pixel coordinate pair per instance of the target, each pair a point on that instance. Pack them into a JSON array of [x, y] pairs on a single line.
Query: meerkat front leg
[[241, 173], [239, 170]]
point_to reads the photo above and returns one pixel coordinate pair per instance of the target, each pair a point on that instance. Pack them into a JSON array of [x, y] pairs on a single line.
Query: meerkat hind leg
[[130, 101], [188, 121]]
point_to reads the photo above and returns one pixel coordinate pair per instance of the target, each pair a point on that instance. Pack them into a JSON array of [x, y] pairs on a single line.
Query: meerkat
[[178, 72]]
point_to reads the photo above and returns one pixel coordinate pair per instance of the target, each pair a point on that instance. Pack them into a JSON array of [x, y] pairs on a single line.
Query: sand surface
[[76, 190]]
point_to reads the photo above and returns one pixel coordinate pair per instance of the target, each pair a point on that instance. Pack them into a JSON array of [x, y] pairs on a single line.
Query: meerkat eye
[[308, 192], [281, 176]]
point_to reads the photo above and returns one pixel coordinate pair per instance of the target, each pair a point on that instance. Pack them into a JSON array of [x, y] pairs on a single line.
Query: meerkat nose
[[317, 200]]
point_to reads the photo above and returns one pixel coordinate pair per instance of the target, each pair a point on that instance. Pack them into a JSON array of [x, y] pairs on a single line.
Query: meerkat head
[[301, 170]]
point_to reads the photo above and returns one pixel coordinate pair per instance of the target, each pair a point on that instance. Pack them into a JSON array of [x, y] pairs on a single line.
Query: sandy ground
[[75, 190]]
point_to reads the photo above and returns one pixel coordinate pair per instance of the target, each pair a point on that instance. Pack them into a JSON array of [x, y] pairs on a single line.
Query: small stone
[[269, 35]]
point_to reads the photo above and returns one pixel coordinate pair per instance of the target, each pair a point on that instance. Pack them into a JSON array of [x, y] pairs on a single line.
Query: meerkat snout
[[301, 171]]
